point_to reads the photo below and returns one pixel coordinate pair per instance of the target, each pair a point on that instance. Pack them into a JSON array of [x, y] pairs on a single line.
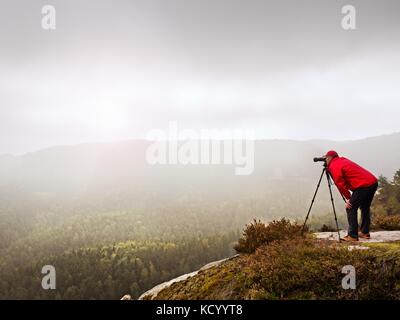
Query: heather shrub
[[308, 269], [386, 222], [257, 234]]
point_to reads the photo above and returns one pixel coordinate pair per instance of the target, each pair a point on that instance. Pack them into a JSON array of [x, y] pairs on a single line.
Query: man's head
[[330, 155]]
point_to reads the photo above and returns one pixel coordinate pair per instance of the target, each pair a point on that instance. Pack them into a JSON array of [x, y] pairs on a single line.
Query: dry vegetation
[[279, 263]]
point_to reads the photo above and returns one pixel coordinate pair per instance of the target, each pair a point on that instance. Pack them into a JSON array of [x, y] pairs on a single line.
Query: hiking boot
[[364, 235], [348, 239]]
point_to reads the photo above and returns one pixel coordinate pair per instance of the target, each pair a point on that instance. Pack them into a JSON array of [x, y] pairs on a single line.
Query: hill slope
[[107, 176], [297, 269], [122, 166]]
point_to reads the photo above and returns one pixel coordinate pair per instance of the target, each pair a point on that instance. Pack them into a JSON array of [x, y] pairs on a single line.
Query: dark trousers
[[361, 198]]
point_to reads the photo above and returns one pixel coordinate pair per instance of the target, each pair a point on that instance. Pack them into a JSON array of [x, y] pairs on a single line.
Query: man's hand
[[348, 204]]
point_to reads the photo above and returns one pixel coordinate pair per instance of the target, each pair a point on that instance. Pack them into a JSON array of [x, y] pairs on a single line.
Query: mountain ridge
[[91, 165], [99, 143]]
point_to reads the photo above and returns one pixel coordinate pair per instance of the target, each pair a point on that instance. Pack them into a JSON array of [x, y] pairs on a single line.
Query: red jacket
[[349, 176]]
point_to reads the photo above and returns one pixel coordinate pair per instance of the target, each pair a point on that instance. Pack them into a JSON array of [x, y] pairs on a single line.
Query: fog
[[115, 70]]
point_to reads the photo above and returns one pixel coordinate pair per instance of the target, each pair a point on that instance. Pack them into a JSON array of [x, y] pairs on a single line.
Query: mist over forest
[[111, 223]]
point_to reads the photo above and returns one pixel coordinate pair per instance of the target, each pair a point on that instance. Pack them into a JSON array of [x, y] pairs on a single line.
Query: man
[[349, 176]]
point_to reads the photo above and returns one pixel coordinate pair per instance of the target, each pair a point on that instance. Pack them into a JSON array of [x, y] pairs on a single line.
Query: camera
[[319, 159]]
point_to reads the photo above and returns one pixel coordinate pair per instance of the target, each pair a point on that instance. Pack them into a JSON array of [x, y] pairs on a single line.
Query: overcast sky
[[116, 69]]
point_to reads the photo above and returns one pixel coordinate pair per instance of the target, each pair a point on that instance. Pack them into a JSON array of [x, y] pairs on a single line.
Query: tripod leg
[[333, 204], [312, 201]]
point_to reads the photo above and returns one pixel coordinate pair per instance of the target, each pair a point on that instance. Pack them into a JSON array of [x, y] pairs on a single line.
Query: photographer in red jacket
[[349, 176]]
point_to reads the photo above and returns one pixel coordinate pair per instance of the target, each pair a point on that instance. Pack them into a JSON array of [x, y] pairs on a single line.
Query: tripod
[[328, 177]]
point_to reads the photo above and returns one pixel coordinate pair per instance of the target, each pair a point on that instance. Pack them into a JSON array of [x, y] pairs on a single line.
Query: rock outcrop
[[376, 237], [152, 293]]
